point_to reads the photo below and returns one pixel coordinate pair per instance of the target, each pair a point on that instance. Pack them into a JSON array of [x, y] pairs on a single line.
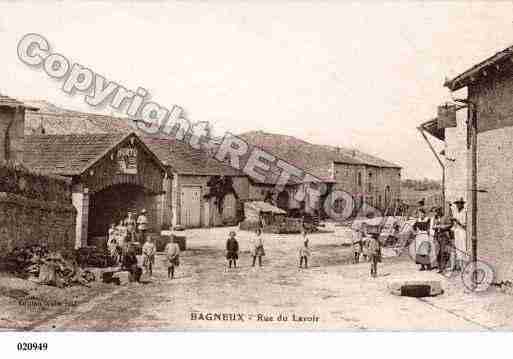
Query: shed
[[270, 218]]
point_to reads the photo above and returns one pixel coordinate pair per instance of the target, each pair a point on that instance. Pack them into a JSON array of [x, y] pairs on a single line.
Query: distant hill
[[421, 185]]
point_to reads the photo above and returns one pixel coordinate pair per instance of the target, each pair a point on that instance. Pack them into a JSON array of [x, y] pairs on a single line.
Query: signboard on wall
[[446, 116], [127, 160]]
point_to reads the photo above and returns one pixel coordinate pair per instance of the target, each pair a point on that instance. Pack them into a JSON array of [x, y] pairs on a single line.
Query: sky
[[361, 75]]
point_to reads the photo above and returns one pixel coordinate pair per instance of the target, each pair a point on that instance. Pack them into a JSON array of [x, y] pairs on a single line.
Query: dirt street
[[331, 294]]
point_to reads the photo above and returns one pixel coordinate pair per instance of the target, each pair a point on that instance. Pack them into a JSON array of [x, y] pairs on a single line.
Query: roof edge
[[465, 78]]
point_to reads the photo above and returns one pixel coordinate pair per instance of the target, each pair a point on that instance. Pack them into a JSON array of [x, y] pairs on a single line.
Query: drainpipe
[[421, 130], [472, 127]]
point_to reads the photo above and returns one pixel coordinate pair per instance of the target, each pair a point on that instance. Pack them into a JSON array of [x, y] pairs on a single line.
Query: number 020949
[[32, 346]]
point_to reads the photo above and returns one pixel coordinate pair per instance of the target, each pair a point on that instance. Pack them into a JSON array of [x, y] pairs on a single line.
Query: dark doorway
[[283, 201], [112, 205]]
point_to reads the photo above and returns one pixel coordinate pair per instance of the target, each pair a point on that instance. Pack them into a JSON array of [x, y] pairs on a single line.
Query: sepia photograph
[[245, 166]]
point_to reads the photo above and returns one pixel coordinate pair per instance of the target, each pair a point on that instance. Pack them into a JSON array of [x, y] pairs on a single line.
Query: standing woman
[[460, 233], [232, 250], [257, 247], [423, 241], [142, 225]]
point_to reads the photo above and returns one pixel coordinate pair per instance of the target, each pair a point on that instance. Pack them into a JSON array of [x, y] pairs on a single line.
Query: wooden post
[[421, 130]]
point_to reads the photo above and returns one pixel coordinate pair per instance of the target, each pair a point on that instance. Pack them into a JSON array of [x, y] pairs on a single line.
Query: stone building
[[111, 174], [190, 203], [368, 179], [489, 86]]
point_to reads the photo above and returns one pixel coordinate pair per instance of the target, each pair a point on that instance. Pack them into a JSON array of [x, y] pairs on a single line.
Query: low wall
[[35, 209]]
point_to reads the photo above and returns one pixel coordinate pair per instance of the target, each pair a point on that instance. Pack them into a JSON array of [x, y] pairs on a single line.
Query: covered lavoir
[[111, 174]]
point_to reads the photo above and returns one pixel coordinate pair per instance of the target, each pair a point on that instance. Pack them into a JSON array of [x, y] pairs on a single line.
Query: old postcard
[[301, 166]]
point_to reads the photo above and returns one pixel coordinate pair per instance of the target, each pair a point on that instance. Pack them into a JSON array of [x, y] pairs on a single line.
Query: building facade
[[490, 88], [111, 175]]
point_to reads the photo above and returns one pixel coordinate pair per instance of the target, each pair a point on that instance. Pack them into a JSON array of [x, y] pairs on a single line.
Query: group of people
[[124, 241], [127, 230], [441, 239], [366, 244], [257, 250]]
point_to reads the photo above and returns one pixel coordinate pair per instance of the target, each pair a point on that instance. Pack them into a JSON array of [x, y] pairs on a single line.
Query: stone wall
[[493, 96], [35, 209]]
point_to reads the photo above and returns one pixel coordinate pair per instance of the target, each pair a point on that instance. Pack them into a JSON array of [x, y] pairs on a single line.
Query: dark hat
[[422, 202], [461, 200]]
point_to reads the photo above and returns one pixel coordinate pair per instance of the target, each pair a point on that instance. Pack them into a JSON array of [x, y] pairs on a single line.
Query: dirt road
[[331, 294]]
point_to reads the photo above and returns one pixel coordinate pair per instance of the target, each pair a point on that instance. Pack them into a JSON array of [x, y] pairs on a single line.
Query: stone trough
[[416, 288]]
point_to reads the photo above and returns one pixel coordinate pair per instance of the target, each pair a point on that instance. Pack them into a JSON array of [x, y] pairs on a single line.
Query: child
[[148, 251], [112, 232], [257, 248], [374, 252], [232, 250], [357, 241], [304, 252], [172, 257]]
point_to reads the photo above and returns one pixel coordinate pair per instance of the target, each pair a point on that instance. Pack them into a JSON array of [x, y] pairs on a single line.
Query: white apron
[[460, 235]]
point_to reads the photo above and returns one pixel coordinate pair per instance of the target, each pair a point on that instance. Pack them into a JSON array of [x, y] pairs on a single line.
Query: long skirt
[[425, 250], [460, 244]]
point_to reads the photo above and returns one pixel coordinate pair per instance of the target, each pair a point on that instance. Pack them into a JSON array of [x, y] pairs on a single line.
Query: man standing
[[460, 233], [441, 226]]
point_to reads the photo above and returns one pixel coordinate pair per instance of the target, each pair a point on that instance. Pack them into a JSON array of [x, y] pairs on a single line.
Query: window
[[359, 179], [387, 195]]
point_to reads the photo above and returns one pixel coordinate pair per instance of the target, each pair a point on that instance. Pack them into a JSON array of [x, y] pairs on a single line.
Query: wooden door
[[191, 206]]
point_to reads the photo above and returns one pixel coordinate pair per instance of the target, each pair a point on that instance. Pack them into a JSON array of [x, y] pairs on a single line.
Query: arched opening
[[283, 200], [113, 203]]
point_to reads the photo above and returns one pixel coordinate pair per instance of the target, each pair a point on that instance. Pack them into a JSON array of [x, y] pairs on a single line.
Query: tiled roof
[[58, 121], [184, 159], [67, 155], [178, 155], [315, 159]]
